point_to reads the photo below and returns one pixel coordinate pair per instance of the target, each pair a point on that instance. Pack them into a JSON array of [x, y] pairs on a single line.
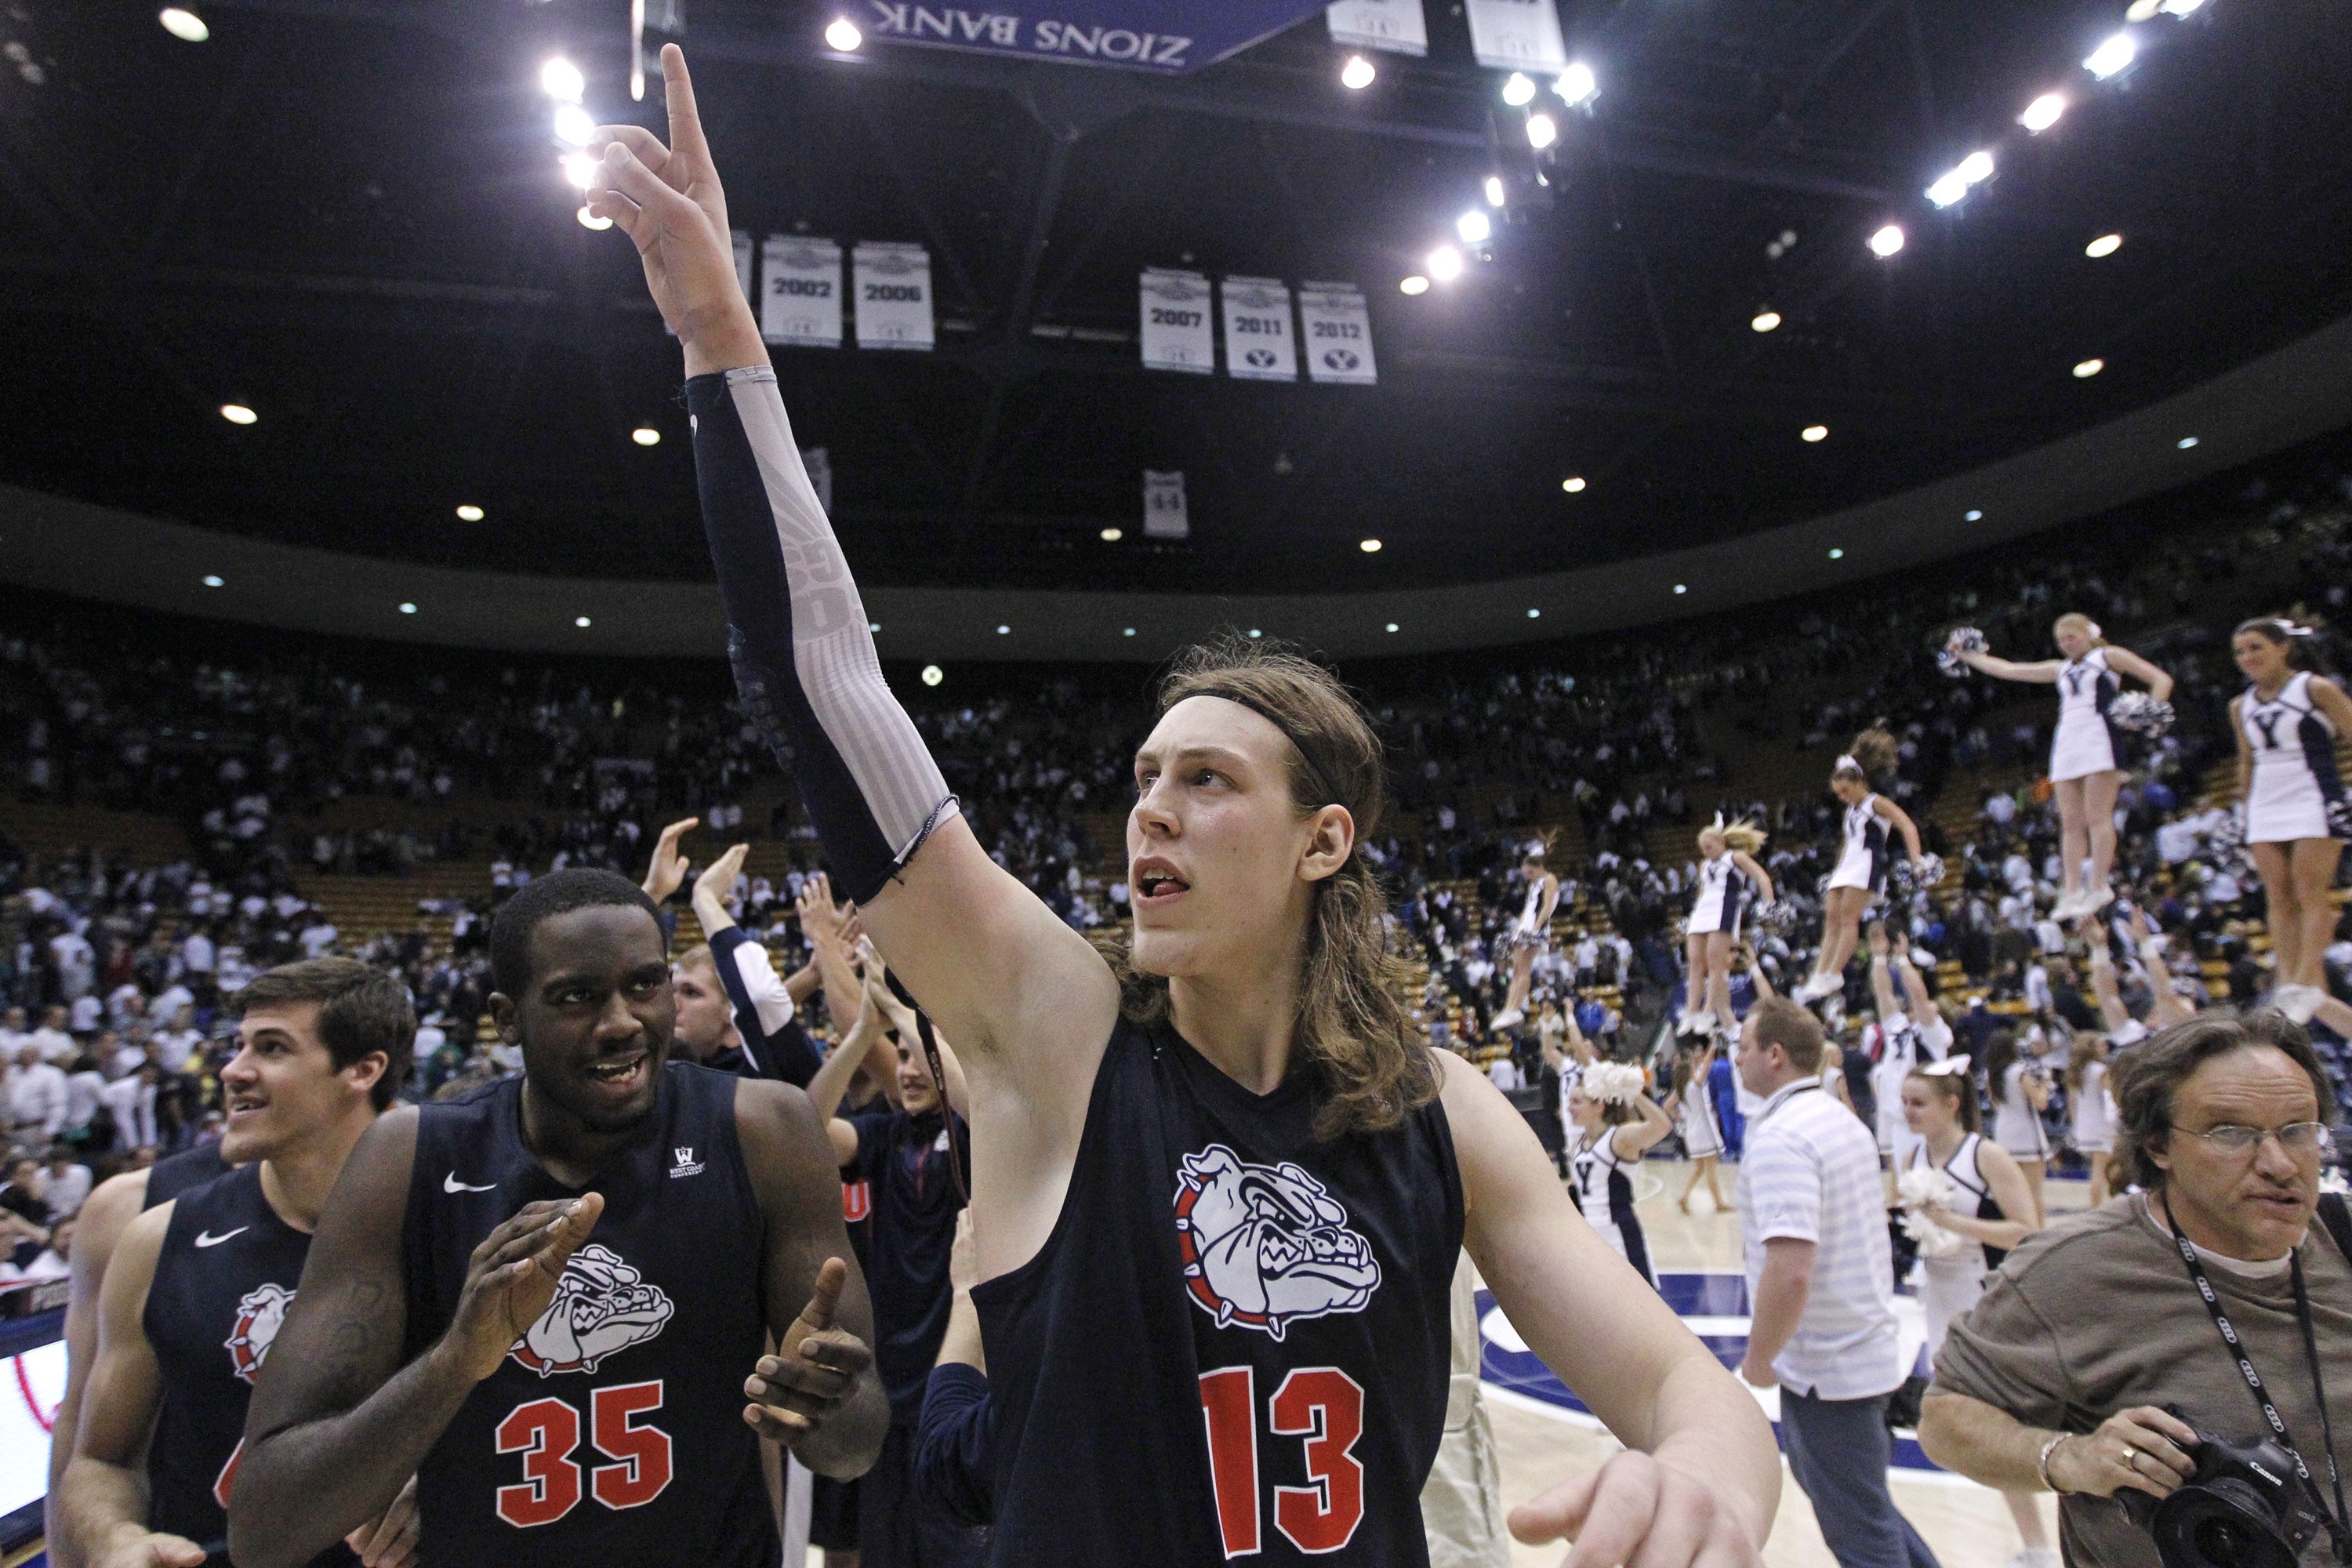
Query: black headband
[[1332, 792]]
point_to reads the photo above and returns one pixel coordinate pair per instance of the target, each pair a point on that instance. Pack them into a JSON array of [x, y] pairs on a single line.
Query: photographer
[[2061, 1378]]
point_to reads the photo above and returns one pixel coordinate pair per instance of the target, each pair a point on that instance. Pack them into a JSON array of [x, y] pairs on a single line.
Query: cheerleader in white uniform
[[1729, 879], [1940, 1109], [1692, 1106], [1871, 819], [2085, 762], [1913, 1035], [2287, 722], [1615, 1124], [1530, 931], [2020, 1092], [2087, 1101]]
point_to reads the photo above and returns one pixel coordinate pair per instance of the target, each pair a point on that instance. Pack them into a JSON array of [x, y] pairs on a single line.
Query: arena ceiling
[[346, 215]]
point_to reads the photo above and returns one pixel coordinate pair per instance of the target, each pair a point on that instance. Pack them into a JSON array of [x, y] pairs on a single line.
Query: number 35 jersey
[[613, 1432], [1235, 1344]]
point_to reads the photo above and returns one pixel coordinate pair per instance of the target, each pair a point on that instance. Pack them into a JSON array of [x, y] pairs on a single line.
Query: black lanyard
[[2339, 1522]]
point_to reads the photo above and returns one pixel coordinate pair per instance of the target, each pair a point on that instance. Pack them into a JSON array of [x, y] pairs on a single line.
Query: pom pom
[[1778, 918], [2138, 713], [1917, 1190], [1964, 639], [1613, 1083]]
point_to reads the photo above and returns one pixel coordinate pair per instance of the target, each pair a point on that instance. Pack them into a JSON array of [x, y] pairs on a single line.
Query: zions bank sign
[[1169, 36]]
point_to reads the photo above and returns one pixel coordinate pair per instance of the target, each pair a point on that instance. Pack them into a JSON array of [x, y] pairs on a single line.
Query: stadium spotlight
[[1495, 193], [406, 609], [2143, 10], [574, 125], [2043, 112], [1836, 554], [238, 414], [469, 513], [1542, 130], [1357, 74], [184, 25], [1412, 283], [1815, 433], [1370, 546], [579, 169], [1576, 84], [1391, 626], [1573, 484], [1535, 614], [1765, 320], [2111, 57], [2089, 368], [1004, 631], [646, 436], [2180, 7], [1518, 90], [842, 36], [2185, 442], [2106, 245], [1886, 241], [1973, 515], [580, 621], [1445, 264], [211, 581], [1255, 633], [1682, 587], [1127, 632], [1971, 169], [562, 80], [1113, 535], [1473, 227], [933, 675], [589, 220]]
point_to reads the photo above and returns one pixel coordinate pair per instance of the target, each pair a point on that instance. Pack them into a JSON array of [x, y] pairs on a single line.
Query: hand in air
[[512, 1277], [820, 921], [815, 1371], [389, 1540], [718, 878], [668, 872], [1641, 1511]]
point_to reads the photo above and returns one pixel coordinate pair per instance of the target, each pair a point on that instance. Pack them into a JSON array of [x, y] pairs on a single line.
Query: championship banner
[[743, 262], [1177, 333], [1396, 25], [1517, 35], [894, 295], [1168, 37], [800, 293], [1164, 516], [1338, 334], [1259, 345]]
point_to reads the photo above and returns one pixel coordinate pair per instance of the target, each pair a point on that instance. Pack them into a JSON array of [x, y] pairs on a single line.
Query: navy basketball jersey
[[223, 1282], [168, 1178], [1236, 1343], [614, 1431]]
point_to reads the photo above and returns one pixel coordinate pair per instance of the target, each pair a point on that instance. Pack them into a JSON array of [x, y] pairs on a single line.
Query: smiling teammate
[[1219, 1194], [543, 1298], [199, 1284]]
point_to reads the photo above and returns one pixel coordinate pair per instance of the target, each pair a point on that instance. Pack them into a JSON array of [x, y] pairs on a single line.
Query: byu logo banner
[[800, 295], [1177, 334], [1396, 25], [1166, 37], [1339, 330], [1257, 329], [1164, 516], [1517, 35], [894, 295]]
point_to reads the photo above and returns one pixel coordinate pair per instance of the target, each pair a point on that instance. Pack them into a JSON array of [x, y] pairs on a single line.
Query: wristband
[[2041, 1464]]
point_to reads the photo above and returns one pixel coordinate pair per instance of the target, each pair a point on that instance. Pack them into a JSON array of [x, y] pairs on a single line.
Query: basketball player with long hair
[[1531, 931], [1729, 878], [2086, 751], [2287, 721], [1860, 875], [1166, 1389]]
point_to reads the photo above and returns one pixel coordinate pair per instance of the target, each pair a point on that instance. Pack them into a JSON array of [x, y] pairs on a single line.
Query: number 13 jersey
[[613, 1432]]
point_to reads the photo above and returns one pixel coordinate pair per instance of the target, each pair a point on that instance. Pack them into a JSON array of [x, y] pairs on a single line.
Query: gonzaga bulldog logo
[[601, 1307], [260, 1314], [1264, 1246]]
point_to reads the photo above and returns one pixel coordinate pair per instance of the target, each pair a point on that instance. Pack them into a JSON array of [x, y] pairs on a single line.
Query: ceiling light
[[1518, 90], [2089, 368], [184, 26], [1542, 132], [579, 169], [1254, 632], [1357, 74], [2143, 10], [1412, 283], [1948, 190], [1445, 264], [2043, 112], [1573, 484], [1976, 167], [1682, 587], [1886, 241], [469, 513], [574, 125], [1973, 516], [1473, 227], [646, 436], [1576, 83], [580, 620], [2180, 7], [1370, 546], [1535, 614], [588, 219], [211, 581], [2185, 442], [1766, 321], [562, 80], [1391, 626], [1836, 554], [1004, 631], [842, 36], [1495, 193], [1128, 633], [873, 626], [238, 414], [1815, 432], [407, 609], [1113, 535], [933, 675], [2106, 245], [2111, 57]]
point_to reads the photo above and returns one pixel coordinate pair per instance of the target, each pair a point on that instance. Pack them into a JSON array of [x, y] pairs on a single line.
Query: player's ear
[[1331, 838], [502, 1014], [366, 1072]]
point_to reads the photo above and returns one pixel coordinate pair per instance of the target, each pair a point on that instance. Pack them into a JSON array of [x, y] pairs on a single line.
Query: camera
[[2244, 1508]]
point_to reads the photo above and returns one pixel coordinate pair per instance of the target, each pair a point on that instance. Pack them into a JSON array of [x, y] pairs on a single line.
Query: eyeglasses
[[2299, 1139]]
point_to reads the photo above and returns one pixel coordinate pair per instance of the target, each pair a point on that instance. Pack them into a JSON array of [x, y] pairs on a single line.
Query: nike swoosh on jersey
[[450, 1183], [206, 1238]]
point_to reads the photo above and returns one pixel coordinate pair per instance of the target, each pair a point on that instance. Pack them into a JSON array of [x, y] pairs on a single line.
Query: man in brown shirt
[[2057, 1378]]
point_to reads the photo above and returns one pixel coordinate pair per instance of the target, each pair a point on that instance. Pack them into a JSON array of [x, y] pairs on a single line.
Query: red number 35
[[545, 1432], [1320, 1403]]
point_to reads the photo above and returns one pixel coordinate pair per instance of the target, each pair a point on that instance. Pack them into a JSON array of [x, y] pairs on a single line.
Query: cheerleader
[[1913, 1034], [1861, 874], [2287, 722], [1530, 932], [1691, 1107], [1728, 877], [1940, 1109], [2085, 753], [1615, 1124], [2020, 1092], [2091, 1109]]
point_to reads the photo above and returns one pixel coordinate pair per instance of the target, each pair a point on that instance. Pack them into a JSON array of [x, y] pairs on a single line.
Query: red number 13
[[1320, 1403]]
